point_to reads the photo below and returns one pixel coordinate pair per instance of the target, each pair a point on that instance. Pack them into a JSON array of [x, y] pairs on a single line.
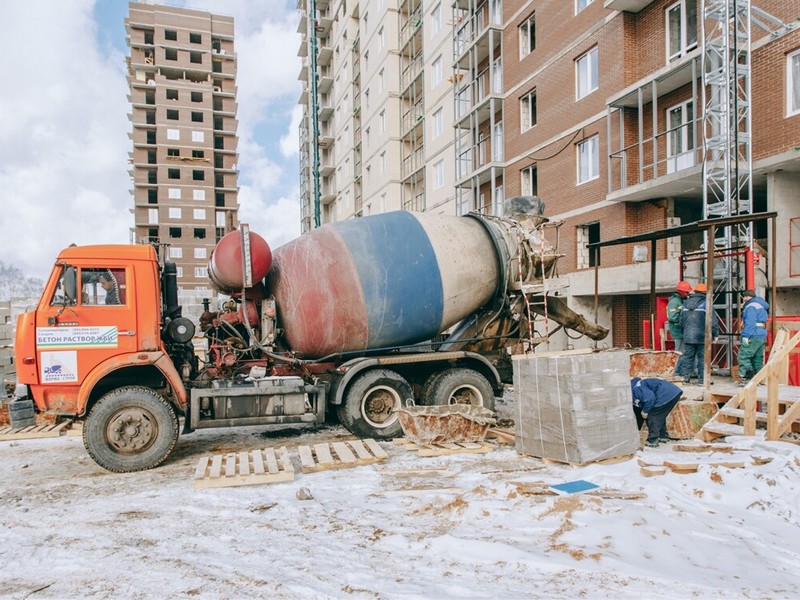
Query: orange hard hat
[[700, 287], [684, 286]]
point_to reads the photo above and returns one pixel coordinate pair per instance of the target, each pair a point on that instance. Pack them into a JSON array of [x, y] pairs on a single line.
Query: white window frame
[[179, 271], [498, 150], [682, 156], [174, 193], [526, 40], [198, 136], [199, 214], [438, 175], [438, 122], [175, 252], [199, 195], [581, 5], [152, 216], [526, 181], [793, 83], [201, 272], [586, 73], [200, 253], [436, 71], [174, 212], [173, 134], [436, 19], [587, 153], [219, 218], [527, 111], [684, 45]]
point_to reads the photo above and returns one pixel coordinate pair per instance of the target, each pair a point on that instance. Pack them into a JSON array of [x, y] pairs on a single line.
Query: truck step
[[337, 455], [244, 468]]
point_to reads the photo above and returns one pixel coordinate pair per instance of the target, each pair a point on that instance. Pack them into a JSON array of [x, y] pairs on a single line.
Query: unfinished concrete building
[[377, 109], [182, 78]]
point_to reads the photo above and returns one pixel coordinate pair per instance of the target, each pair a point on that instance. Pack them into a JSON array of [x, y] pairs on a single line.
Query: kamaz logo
[[52, 370]]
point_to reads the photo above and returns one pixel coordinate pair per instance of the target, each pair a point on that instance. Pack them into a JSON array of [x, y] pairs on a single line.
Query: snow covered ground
[[470, 528]]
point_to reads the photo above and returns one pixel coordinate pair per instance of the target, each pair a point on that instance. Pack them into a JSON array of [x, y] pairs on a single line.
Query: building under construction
[[182, 79]]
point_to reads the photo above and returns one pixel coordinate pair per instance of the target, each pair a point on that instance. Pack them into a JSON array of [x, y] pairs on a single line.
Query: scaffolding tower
[[727, 148]]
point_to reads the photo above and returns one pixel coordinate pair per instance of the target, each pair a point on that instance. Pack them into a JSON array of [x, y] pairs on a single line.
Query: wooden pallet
[[244, 468], [338, 455], [445, 448], [47, 430]]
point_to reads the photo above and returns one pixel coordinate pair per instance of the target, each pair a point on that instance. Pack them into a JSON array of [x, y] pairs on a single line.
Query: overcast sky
[[64, 124]]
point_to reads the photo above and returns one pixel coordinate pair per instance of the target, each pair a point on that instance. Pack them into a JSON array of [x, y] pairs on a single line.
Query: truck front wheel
[[459, 386], [369, 408], [130, 429]]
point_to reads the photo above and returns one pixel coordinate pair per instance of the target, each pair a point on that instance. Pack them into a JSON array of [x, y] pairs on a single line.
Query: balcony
[[667, 163], [633, 6]]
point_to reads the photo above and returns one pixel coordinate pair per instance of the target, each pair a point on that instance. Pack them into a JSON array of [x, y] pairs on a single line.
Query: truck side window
[[61, 296], [101, 287]]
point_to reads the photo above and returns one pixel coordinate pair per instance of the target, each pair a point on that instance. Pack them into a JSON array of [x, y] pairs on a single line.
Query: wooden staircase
[[739, 415]]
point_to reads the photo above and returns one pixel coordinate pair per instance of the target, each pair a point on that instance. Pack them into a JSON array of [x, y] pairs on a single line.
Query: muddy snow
[[459, 526]]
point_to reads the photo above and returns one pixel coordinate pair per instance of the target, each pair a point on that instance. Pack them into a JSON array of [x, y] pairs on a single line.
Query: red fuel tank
[[225, 264]]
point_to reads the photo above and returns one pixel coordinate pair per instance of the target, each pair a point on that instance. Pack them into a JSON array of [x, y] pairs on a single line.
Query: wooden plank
[[285, 461], [244, 463], [652, 471], [258, 462], [230, 465], [693, 466], [436, 450], [749, 411], [216, 466], [772, 402], [306, 458], [202, 466], [376, 450], [361, 450], [272, 460], [343, 452], [702, 448], [323, 454]]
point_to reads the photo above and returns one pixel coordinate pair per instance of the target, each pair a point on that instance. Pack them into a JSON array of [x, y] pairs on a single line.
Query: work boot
[[653, 444], [664, 440]]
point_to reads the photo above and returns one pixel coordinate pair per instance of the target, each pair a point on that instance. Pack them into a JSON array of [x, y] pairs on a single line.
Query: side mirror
[[71, 284]]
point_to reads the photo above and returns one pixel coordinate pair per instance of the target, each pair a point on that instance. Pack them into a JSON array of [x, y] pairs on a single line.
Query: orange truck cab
[[97, 330]]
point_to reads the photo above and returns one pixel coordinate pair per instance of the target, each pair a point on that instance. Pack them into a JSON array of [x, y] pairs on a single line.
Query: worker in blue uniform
[[653, 400], [754, 335]]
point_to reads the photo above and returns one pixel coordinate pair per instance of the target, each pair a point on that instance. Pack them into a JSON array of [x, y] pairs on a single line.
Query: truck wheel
[[370, 404], [459, 386], [130, 429]]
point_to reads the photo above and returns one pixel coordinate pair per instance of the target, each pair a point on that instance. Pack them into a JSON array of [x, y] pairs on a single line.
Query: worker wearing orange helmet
[[674, 306]]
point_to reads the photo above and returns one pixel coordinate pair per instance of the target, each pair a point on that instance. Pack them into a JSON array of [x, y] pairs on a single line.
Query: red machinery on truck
[[332, 320]]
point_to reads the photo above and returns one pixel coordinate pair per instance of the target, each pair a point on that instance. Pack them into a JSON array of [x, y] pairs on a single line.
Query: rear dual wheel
[[369, 408], [458, 386]]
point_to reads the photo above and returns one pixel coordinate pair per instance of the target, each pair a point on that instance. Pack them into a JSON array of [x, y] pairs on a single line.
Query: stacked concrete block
[[574, 408], [7, 369]]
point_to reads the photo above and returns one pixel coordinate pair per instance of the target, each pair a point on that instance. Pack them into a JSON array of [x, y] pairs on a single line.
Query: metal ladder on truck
[[536, 289]]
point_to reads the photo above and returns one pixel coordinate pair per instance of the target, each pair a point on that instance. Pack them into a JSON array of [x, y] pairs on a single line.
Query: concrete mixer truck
[[349, 318]]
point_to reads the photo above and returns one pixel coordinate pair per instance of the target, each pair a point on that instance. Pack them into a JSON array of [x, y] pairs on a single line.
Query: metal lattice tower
[[727, 146]]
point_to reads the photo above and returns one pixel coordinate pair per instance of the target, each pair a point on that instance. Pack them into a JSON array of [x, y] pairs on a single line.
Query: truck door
[[90, 319]]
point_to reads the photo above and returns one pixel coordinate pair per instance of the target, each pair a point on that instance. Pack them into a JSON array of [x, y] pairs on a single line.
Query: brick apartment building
[[596, 106], [566, 92], [182, 79]]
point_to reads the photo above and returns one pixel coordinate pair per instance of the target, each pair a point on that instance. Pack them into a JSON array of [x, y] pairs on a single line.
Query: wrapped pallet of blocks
[[574, 407]]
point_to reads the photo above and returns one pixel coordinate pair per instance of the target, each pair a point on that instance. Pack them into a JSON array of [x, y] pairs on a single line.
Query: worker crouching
[[653, 400]]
